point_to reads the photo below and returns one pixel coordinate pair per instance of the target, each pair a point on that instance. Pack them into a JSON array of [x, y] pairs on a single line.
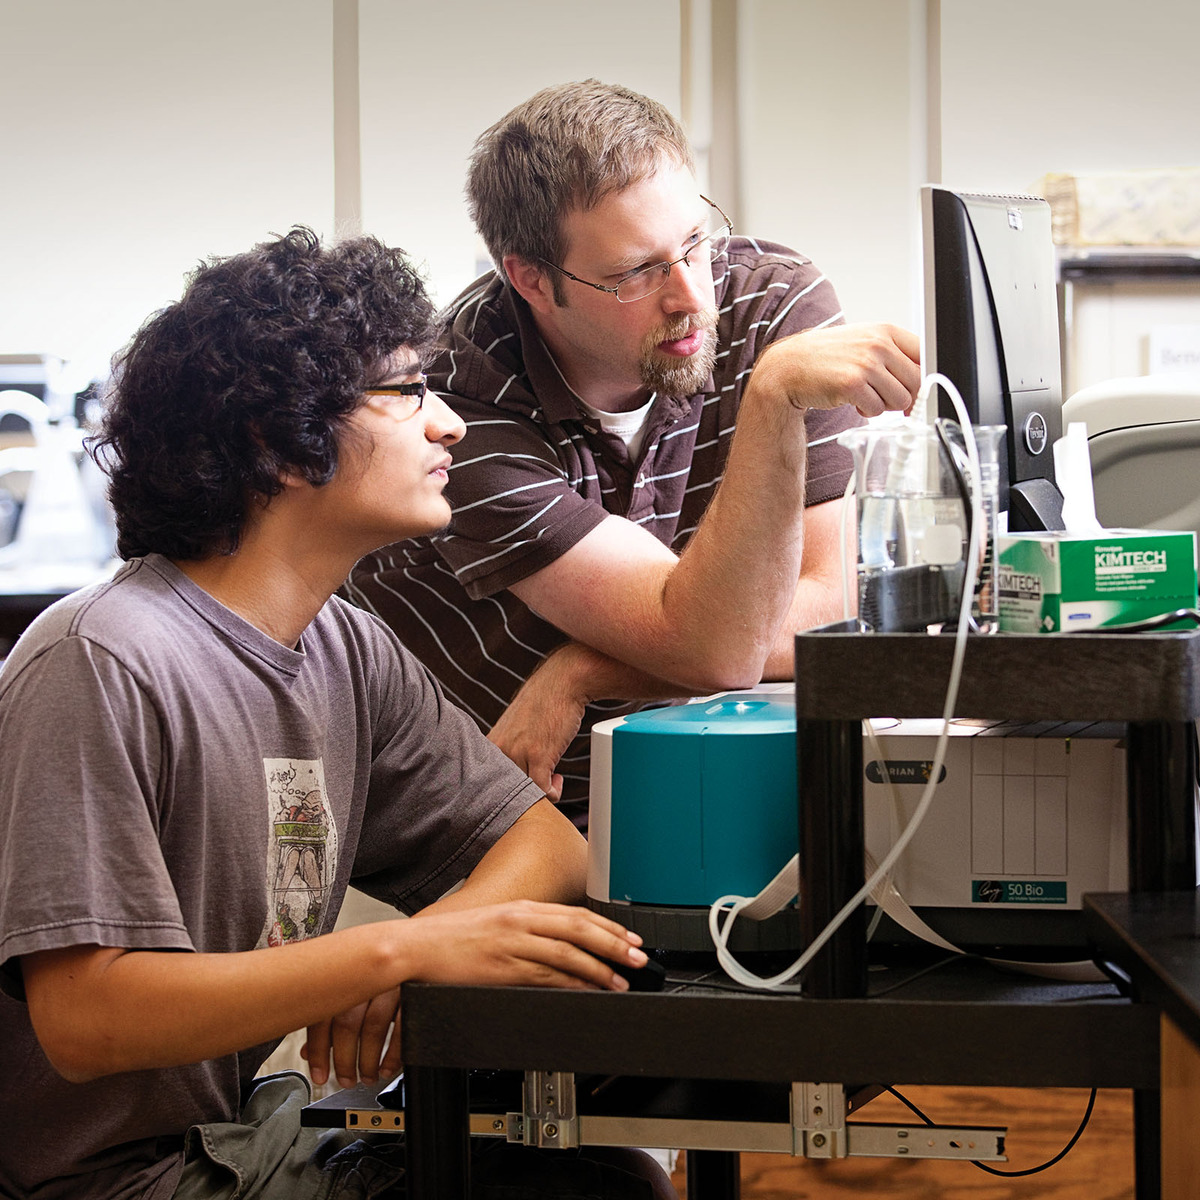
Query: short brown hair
[[569, 146]]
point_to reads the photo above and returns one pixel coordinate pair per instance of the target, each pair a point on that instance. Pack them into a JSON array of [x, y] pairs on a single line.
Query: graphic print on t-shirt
[[302, 849]]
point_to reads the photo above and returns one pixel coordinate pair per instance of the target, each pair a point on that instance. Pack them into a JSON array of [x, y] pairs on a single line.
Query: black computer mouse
[[649, 978]]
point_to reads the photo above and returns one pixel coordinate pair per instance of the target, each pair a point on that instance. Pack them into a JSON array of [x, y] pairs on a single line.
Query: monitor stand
[[1034, 504]]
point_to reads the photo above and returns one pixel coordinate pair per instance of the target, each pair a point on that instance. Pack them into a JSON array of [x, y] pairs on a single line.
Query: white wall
[[142, 135], [1077, 86], [139, 136], [435, 76], [837, 109], [833, 141], [1032, 86]]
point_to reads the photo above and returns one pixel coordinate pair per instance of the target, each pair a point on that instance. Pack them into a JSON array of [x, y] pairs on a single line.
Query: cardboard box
[[1125, 208], [1048, 582]]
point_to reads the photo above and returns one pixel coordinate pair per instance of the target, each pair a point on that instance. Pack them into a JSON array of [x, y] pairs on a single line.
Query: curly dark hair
[[255, 371]]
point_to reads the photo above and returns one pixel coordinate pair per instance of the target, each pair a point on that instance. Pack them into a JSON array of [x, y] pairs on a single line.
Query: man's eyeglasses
[[409, 397], [645, 281]]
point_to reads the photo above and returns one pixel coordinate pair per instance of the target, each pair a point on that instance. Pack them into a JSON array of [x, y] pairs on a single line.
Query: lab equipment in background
[[57, 532], [698, 801], [689, 803], [64, 387], [1025, 819], [991, 327], [1144, 443]]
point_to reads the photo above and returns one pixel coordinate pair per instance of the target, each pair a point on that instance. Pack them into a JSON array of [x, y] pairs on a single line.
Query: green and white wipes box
[[1048, 582]]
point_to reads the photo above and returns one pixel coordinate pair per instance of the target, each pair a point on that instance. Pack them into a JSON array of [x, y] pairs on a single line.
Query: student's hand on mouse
[[357, 1039], [876, 368], [523, 942]]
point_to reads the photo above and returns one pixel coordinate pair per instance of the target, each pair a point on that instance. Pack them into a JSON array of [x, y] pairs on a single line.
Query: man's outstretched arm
[[545, 714], [710, 619]]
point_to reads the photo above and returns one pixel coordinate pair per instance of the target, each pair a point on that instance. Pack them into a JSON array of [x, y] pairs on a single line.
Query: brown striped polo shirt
[[534, 474]]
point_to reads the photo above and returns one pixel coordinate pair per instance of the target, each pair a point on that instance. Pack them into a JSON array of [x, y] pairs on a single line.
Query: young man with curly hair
[[646, 504], [203, 753]]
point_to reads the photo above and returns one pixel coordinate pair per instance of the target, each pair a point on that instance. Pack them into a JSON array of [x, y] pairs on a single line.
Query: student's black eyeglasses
[[412, 395]]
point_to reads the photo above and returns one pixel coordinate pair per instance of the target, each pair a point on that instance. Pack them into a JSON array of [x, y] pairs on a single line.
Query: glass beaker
[[912, 526], [989, 442]]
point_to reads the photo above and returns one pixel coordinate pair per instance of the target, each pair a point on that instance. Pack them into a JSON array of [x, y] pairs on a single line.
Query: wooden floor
[[1039, 1121]]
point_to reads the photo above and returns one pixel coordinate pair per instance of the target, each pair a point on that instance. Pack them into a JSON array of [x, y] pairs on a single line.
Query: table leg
[[714, 1175], [1147, 1138], [1161, 780], [436, 1132], [829, 764]]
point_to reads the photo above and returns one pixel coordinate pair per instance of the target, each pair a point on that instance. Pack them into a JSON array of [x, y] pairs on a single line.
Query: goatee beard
[[671, 376]]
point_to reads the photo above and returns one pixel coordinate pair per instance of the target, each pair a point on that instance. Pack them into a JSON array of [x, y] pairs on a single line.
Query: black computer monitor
[[991, 326]]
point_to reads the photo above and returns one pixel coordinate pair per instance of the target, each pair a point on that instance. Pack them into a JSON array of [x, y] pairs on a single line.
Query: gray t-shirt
[[173, 779]]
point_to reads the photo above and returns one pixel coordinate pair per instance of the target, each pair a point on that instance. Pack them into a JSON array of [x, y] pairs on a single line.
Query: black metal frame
[[982, 1032]]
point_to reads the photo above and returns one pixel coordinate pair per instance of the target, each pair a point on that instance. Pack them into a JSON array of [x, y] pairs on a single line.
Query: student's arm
[[100, 1010], [710, 619], [541, 857]]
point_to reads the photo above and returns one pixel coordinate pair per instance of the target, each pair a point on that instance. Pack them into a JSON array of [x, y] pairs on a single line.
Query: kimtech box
[[1048, 582]]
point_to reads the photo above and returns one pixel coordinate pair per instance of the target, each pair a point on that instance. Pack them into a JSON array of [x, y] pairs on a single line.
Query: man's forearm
[[590, 675], [729, 591], [190, 1007], [709, 618], [816, 604], [100, 1010], [733, 592], [821, 593]]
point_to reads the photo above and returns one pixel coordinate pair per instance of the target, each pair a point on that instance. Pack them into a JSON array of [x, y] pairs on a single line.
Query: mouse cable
[[929, 968], [680, 983], [722, 985], [1087, 1116]]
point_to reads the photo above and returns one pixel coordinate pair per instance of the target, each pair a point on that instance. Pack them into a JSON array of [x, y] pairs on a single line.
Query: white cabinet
[[1110, 301]]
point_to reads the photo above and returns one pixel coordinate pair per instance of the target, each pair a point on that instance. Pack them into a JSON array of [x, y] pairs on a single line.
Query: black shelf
[[971, 1025], [1150, 682], [1119, 263], [982, 1026], [1021, 677], [1155, 937]]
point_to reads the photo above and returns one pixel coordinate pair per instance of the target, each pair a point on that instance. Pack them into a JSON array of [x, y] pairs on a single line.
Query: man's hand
[[524, 942], [541, 719], [876, 368]]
